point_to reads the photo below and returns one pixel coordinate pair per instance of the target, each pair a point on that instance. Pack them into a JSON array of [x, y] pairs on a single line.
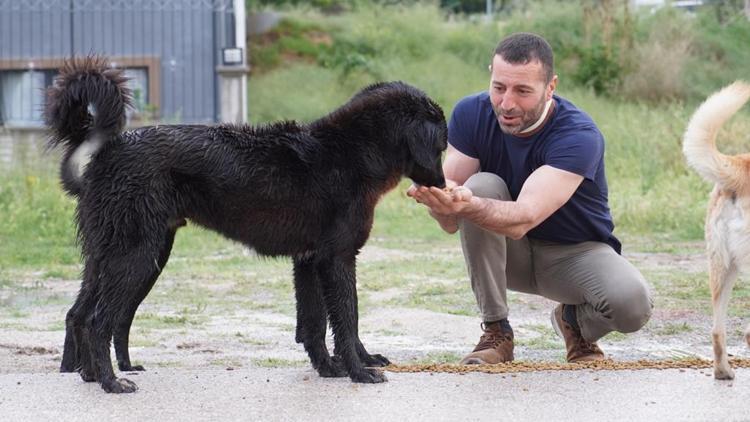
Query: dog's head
[[419, 128], [402, 128], [426, 141]]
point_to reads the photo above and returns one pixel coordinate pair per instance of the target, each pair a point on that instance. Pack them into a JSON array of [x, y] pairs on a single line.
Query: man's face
[[518, 93]]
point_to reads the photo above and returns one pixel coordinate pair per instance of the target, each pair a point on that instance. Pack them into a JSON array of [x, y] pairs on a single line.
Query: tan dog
[[728, 217]]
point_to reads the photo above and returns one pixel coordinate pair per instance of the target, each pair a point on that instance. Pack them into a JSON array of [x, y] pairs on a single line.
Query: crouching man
[[529, 199]]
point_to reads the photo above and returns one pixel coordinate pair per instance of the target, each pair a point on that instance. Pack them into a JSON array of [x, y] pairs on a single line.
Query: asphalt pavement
[[298, 394]]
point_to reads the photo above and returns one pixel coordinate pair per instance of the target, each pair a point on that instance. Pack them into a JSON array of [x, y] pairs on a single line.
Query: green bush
[[599, 69]]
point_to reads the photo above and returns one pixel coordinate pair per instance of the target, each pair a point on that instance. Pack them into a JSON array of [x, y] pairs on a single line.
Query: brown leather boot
[[579, 350], [495, 346]]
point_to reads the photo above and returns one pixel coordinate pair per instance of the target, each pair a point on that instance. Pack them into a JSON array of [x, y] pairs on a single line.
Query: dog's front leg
[[376, 360], [338, 278], [311, 319], [368, 359]]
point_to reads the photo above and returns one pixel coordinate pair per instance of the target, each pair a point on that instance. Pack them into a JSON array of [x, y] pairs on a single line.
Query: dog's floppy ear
[[421, 138]]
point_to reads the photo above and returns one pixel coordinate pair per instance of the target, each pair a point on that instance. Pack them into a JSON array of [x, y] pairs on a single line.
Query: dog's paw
[[130, 368], [334, 368], [724, 373], [67, 367], [376, 360], [368, 376], [87, 375], [119, 385]]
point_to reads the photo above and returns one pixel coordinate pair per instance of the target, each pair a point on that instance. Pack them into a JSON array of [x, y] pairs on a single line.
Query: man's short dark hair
[[523, 47]]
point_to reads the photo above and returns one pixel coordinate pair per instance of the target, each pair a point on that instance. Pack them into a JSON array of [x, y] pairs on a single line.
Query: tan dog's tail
[[699, 144]]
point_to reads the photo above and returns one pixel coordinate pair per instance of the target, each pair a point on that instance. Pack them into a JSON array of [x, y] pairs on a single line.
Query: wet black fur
[[307, 191]]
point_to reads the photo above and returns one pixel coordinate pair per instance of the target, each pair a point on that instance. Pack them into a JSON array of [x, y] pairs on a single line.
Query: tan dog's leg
[[747, 335], [721, 280]]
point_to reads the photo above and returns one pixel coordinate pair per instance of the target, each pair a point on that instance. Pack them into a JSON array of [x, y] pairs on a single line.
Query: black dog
[[305, 191]]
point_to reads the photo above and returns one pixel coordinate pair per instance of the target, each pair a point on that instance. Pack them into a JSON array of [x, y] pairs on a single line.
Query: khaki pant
[[610, 293]]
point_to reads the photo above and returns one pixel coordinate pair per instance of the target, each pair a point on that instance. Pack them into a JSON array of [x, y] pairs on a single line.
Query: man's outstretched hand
[[450, 201]]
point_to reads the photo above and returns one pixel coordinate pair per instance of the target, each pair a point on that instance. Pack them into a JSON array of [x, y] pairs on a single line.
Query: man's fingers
[[441, 201], [441, 196], [462, 194]]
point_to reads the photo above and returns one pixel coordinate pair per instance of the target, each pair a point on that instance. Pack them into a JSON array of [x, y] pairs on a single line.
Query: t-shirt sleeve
[[578, 152], [461, 130]]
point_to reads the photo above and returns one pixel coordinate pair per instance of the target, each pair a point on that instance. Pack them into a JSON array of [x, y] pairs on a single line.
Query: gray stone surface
[[299, 394]]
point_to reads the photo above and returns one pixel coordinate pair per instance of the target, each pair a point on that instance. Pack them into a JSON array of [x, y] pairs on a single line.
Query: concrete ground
[[268, 394]]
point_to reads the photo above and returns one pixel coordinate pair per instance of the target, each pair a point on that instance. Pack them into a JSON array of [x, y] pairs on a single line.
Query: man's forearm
[[503, 217]]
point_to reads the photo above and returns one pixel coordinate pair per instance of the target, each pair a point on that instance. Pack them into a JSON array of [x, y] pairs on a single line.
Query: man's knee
[[488, 185], [632, 308]]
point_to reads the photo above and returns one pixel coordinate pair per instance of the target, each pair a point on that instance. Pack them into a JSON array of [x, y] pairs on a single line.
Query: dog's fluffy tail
[[85, 108], [699, 144]]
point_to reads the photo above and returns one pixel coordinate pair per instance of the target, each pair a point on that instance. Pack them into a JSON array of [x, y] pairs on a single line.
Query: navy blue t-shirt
[[569, 140]]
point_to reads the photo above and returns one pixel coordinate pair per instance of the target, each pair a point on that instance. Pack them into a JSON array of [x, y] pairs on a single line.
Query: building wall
[[174, 45]]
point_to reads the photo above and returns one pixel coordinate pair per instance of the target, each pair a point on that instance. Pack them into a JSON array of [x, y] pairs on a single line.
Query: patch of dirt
[[691, 262], [228, 333], [28, 350]]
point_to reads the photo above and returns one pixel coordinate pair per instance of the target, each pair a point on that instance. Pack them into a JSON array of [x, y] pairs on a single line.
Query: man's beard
[[527, 119]]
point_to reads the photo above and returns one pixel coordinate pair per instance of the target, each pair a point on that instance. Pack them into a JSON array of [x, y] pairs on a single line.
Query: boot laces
[[491, 339]]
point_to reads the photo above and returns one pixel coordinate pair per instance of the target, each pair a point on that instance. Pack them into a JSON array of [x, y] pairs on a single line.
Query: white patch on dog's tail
[[699, 143], [82, 155]]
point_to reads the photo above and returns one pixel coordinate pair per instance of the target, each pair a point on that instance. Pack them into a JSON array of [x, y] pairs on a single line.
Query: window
[[138, 84], [22, 99], [22, 95]]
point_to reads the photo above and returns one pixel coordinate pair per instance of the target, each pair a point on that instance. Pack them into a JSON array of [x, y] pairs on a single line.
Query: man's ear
[[551, 86]]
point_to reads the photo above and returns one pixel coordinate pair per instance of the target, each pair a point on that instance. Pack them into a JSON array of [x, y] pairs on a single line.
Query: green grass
[[652, 193], [671, 329], [677, 289], [546, 338], [251, 341], [149, 320], [37, 220], [432, 358], [142, 338], [278, 363], [615, 336]]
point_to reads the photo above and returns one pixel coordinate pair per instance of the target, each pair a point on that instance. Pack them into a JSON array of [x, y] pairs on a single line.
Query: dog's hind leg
[[721, 280], [76, 353], [71, 358], [311, 319], [122, 329], [124, 274], [338, 277]]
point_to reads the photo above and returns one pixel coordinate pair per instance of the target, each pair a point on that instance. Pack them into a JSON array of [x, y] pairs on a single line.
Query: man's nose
[[507, 102]]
